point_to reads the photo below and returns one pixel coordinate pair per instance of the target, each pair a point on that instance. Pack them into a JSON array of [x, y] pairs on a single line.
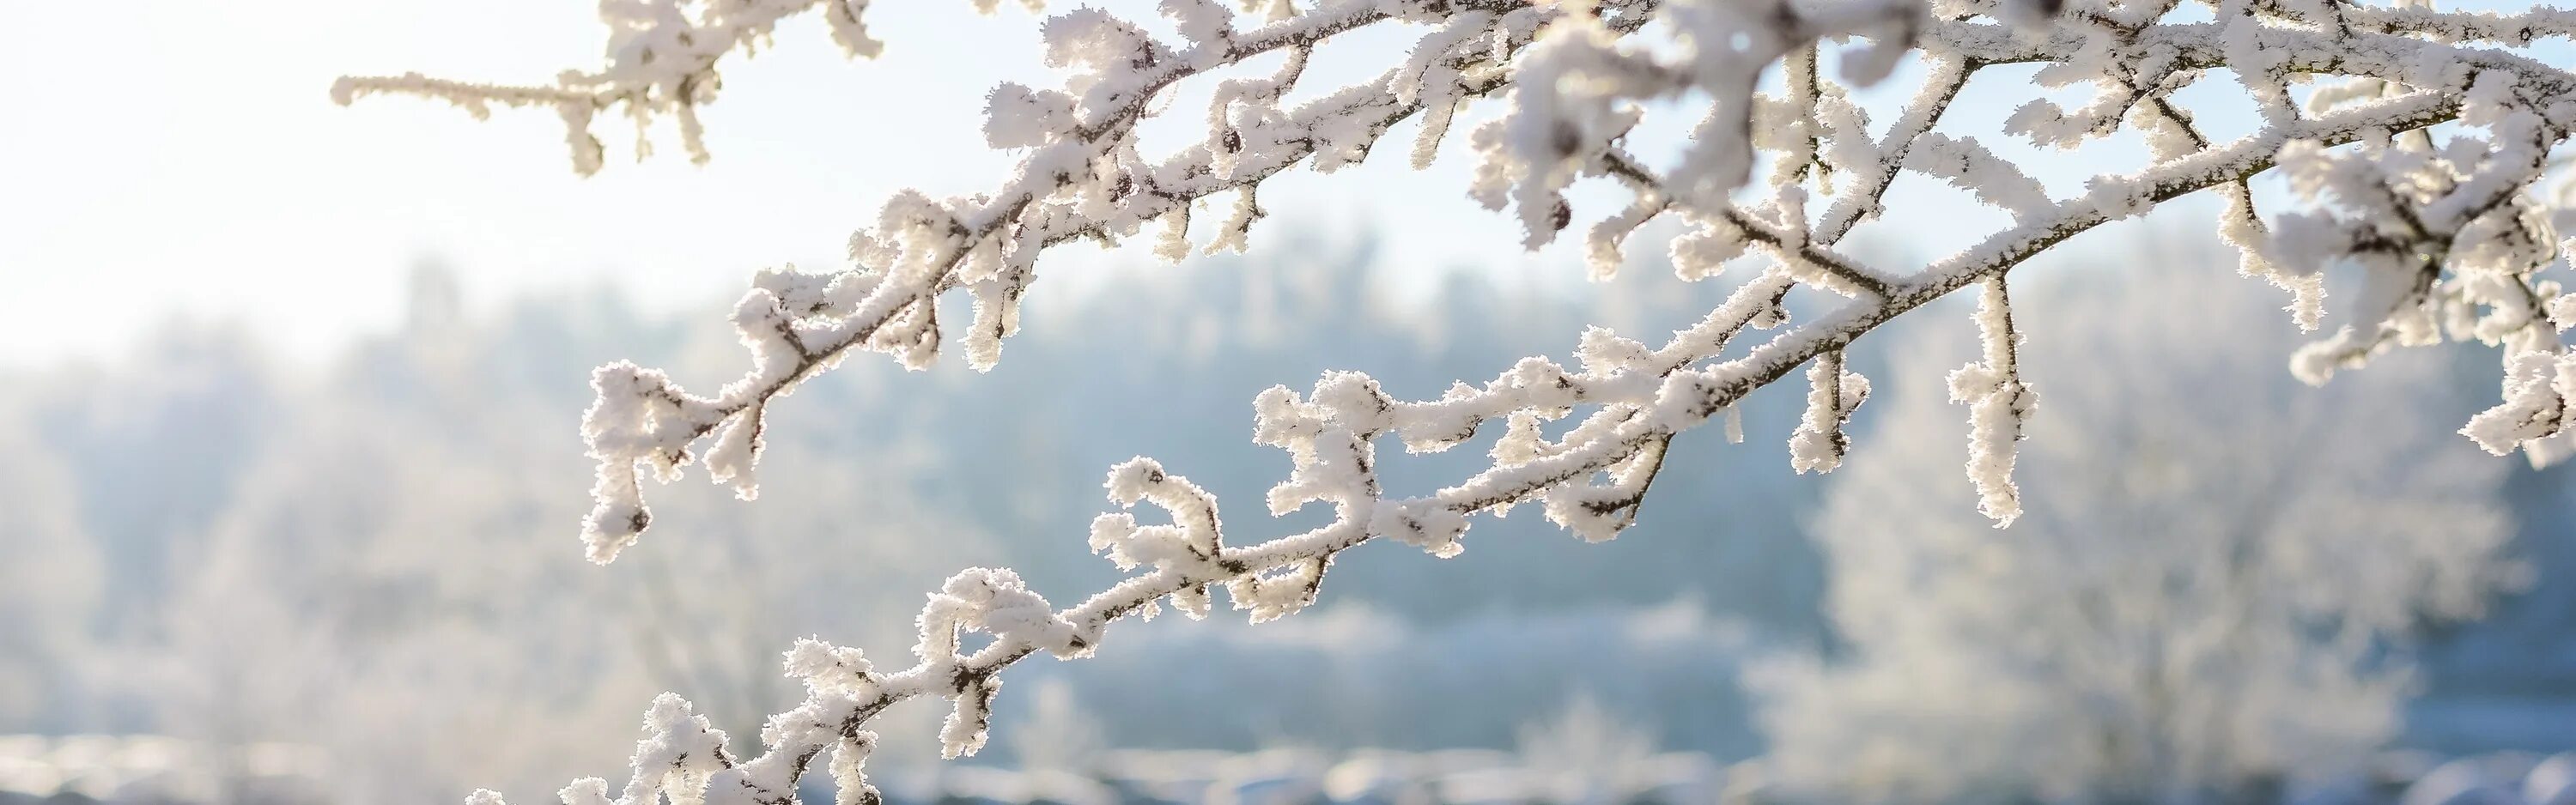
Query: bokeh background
[[289, 475]]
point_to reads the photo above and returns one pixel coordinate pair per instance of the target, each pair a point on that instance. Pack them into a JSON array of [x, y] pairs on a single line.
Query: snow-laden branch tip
[[2446, 229]]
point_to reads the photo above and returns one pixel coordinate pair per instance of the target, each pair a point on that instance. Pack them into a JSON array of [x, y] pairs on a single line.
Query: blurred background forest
[[360, 575]]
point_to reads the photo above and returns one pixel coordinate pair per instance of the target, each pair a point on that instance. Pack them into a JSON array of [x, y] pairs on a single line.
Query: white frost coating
[[661, 60], [678, 755], [1532, 155], [1819, 444], [1188, 546], [829, 668], [1971, 167], [849, 778], [2448, 236], [1601, 246], [995, 601], [585, 791], [1998, 404], [1019, 117], [2536, 387]]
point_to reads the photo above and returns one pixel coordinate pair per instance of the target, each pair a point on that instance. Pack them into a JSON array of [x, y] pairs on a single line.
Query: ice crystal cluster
[[2416, 142]]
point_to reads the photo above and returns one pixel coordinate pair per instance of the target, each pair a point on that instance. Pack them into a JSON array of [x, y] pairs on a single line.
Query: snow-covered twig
[[2438, 231]]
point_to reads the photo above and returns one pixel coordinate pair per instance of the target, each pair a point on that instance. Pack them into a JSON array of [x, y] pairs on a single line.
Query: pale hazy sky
[[184, 157], [176, 157]]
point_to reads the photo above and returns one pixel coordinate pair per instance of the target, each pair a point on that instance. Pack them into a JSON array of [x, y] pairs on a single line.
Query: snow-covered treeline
[[233, 551], [212, 545], [2215, 591]]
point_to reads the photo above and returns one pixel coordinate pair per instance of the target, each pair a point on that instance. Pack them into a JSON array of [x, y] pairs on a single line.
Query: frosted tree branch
[[2442, 226]]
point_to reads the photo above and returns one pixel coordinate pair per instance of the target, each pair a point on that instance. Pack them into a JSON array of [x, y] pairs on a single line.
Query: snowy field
[[151, 770]]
